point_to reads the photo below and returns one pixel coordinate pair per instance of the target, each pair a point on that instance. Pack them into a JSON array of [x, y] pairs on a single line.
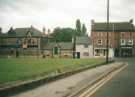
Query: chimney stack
[[44, 31], [48, 32], [31, 26], [131, 21], [92, 22]]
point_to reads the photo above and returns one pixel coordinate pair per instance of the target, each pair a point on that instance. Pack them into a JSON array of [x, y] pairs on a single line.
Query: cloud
[[52, 13]]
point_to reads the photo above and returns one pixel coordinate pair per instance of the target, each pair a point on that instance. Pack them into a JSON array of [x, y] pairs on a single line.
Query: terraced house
[[121, 39]]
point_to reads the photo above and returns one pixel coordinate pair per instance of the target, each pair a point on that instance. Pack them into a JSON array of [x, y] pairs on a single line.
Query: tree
[[62, 34], [84, 30], [78, 27]]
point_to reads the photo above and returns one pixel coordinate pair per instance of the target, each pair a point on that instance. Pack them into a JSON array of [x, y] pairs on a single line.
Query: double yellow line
[[103, 79]]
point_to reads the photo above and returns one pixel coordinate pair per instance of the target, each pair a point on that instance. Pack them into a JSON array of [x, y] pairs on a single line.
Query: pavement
[[63, 87], [122, 85]]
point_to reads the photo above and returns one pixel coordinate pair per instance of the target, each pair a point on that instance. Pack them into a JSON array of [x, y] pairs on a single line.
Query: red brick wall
[[114, 38], [127, 35], [103, 36]]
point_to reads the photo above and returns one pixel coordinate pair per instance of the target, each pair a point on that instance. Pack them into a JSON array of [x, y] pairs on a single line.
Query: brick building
[[121, 39], [58, 50], [25, 41]]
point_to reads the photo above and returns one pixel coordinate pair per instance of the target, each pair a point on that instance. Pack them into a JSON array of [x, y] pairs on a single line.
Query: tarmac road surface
[[122, 85]]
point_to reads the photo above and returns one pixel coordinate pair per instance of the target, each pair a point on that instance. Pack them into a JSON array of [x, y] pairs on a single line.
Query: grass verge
[[19, 69]]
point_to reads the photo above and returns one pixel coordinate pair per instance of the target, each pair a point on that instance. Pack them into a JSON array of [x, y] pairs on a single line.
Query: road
[[122, 85]]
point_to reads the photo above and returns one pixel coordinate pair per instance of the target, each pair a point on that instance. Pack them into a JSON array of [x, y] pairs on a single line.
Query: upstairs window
[[122, 34], [86, 46], [99, 42]]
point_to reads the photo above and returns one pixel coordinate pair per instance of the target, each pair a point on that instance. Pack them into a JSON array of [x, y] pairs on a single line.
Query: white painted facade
[[86, 51]]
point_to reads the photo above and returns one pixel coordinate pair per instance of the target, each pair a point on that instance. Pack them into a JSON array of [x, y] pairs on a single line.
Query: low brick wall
[[8, 52]]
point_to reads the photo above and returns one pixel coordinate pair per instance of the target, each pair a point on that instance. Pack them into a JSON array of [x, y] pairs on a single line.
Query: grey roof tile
[[113, 26], [62, 45], [83, 40], [24, 31]]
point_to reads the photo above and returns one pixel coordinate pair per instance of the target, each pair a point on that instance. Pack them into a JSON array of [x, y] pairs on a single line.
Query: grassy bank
[[25, 68]]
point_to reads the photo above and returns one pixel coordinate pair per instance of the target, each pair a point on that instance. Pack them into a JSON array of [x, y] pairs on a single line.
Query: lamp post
[[107, 42]]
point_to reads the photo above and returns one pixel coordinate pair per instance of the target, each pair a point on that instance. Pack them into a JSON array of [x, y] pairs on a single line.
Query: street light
[[107, 42]]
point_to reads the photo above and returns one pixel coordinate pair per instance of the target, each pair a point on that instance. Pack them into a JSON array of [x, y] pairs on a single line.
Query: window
[[130, 42], [122, 42], [122, 34], [86, 54], [99, 42], [29, 41], [97, 52], [86, 46]]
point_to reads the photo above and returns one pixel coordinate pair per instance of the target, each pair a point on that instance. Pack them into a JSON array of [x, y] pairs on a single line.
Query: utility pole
[[74, 43], [107, 42]]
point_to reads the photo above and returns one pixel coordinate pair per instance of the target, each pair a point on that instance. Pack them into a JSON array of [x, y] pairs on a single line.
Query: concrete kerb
[[27, 85], [83, 88]]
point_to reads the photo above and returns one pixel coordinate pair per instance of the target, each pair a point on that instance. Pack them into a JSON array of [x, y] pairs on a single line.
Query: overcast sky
[[63, 13]]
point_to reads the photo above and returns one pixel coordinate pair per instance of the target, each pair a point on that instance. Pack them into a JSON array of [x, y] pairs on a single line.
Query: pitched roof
[[62, 45], [3, 34], [67, 45], [113, 26], [83, 40], [24, 31]]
